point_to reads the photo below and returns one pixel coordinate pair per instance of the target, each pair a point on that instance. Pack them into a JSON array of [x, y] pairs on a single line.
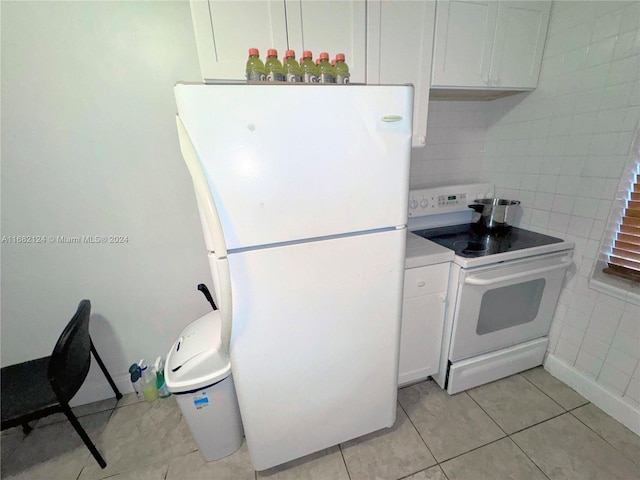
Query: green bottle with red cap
[[291, 68], [309, 70], [273, 67], [326, 70], [341, 69], [255, 67]]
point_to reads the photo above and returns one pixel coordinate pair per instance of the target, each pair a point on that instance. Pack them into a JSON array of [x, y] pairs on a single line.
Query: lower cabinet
[[423, 307]]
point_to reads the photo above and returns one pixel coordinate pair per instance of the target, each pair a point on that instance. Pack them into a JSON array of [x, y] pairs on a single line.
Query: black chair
[[41, 387]]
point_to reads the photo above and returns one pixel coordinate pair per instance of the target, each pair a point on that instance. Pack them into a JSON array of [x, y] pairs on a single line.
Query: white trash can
[[198, 373]]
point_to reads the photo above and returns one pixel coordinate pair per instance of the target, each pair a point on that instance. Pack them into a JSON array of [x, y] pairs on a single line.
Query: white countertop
[[421, 252]]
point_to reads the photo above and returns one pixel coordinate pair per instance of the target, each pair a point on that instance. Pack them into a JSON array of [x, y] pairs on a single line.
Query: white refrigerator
[[302, 191]]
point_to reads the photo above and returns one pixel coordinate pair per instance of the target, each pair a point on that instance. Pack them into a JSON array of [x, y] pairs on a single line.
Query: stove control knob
[[413, 204], [424, 202]]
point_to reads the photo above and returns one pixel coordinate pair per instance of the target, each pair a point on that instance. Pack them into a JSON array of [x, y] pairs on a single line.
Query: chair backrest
[[71, 358]]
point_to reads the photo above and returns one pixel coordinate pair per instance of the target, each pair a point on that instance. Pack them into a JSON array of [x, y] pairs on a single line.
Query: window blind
[[624, 257]]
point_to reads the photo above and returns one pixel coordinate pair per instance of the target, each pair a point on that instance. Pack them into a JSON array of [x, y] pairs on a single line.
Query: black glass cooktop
[[471, 240]]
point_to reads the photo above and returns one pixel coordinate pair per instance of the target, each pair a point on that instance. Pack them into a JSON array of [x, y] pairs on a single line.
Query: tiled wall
[[453, 151], [561, 150]]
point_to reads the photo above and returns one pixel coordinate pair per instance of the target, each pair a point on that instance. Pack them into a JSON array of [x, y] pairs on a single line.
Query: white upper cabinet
[[521, 30], [489, 44], [226, 29], [399, 51], [463, 42], [337, 26]]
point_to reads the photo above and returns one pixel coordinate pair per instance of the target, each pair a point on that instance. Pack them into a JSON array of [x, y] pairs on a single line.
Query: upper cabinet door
[[463, 43], [226, 29], [337, 26], [399, 51], [520, 35]]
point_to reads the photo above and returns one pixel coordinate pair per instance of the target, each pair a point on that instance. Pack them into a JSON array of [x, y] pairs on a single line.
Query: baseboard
[[94, 390], [610, 402], [415, 376]]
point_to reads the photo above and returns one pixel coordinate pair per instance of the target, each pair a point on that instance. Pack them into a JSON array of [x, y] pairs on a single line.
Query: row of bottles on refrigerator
[[289, 70]]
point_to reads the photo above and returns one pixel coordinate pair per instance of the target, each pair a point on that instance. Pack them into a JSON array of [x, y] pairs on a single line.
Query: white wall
[[89, 147]]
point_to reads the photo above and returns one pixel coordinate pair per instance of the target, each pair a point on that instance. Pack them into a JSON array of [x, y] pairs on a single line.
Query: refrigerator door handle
[[226, 306], [221, 263], [203, 193]]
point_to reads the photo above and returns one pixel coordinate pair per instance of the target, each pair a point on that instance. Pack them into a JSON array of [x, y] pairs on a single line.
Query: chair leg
[[26, 428], [85, 438], [106, 372]]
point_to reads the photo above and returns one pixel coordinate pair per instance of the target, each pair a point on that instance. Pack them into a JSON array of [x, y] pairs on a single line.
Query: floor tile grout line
[[506, 435], [344, 460], [95, 442], [537, 423], [473, 449], [579, 406], [424, 470], [553, 399], [486, 413], [418, 432], [607, 441], [443, 472], [530, 459]]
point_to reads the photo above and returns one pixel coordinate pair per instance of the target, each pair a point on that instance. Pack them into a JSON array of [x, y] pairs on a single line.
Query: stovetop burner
[[471, 241]]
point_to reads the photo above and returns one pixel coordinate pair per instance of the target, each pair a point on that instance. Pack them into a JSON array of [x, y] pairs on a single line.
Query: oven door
[[502, 305]]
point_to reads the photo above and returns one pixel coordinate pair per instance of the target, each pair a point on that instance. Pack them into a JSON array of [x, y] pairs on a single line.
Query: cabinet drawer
[[426, 280]]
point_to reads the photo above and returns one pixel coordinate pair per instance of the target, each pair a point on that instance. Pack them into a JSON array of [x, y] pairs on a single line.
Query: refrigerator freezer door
[[292, 162], [314, 348]]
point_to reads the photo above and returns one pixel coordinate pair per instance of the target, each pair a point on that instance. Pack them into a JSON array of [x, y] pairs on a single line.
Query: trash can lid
[[196, 359]]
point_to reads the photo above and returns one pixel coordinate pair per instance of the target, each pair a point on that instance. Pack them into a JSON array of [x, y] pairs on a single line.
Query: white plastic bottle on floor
[[135, 373]]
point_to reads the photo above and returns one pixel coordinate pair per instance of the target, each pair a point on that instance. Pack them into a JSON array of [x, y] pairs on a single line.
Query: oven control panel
[[454, 198]]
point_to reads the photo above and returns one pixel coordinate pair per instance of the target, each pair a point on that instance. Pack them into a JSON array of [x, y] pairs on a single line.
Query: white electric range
[[503, 287]]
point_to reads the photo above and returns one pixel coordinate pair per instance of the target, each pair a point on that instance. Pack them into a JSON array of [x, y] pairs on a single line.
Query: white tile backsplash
[[580, 226], [595, 347], [633, 390], [558, 222], [585, 207], [588, 363], [613, 378], [626, 343], [454, 148]]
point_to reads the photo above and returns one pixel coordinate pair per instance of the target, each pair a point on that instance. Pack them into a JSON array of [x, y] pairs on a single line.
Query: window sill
[[614, 286]]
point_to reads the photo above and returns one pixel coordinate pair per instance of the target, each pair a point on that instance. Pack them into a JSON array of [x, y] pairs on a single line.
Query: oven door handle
[[490, 281]]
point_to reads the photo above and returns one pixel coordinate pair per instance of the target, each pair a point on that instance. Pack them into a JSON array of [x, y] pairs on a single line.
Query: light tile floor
[[527, 426]]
